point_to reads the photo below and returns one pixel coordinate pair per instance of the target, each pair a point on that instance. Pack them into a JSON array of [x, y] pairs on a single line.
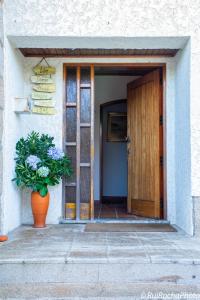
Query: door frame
[[162, 67]]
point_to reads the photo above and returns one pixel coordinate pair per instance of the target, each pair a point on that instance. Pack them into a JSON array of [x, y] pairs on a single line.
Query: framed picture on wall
[[117, 127]]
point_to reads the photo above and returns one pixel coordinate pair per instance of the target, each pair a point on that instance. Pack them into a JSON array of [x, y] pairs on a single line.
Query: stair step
[[92, 291], [98, 273]]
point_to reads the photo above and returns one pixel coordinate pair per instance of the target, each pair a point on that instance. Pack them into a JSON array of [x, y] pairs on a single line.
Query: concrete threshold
[[114, 221]]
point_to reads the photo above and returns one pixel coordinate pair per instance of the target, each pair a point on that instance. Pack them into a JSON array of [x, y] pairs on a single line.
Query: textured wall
[[102, 17], [182, 140], [196, 215]]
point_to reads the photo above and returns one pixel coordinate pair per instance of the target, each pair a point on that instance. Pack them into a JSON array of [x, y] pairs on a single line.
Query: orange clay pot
[[39, 206], [3, 238]]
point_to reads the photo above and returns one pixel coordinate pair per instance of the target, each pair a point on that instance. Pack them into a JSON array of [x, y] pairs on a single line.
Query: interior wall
[[184, 206], [107, 88], [115, 159]]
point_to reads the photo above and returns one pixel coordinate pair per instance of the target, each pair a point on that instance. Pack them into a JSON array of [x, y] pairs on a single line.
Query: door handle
[[128, 139]]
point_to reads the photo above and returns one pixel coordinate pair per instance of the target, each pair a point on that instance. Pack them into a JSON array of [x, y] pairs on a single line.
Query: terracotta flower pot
[[39, 206], [3, 238]]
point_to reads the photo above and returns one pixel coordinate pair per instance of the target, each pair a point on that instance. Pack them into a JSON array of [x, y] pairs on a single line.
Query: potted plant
[[40, 164]]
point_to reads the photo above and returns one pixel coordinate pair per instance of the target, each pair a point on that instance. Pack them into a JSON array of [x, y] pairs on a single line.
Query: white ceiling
[[98, 42]]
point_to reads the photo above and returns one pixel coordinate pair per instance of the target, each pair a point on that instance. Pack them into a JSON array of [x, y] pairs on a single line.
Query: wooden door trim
[[105, 104], [115, 64], [92, 144], [78, 141], [164, 130], [162, 66], [63, 133]]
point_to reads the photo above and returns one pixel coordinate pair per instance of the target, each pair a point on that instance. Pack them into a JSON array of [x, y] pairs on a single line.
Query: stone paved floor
[[114, 211], [69, 243]]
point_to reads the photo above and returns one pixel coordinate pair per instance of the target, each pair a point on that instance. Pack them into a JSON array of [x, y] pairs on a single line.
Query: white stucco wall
[[184, 204], [1, 110], [157, 24], [51, 125], [14, 87]]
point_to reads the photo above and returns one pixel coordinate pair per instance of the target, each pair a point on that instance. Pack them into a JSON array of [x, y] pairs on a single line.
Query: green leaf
[[43, 191], [36, 144]]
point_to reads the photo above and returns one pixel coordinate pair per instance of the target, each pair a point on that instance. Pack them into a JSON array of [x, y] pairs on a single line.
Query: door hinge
[[161, 161], [161, 120]]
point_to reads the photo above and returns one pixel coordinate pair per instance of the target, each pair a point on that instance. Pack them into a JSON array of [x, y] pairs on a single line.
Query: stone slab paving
[[103, 263], [69, 243]]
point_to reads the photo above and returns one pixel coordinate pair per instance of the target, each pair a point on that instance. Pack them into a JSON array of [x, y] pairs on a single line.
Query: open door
[[145, 146]]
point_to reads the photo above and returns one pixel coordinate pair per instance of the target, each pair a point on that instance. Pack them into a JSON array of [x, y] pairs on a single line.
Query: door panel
[[79, 142], [144, 189]]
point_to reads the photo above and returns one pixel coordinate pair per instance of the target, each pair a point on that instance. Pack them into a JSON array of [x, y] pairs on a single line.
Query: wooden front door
[[145, 146]]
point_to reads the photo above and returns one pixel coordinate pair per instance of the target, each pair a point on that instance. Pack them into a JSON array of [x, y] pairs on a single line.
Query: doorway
[[120, 166], [143, 143], [114, 161]]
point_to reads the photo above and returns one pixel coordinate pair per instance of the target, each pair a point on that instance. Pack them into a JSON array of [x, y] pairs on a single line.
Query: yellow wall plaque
[[45, 103], [41, 96], [49, 88], [43, 110], [44, 70], [41, 79]]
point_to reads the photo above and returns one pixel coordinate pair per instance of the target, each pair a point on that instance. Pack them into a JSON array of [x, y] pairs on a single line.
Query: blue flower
[[55, 153], [32, 161], [43, 171]]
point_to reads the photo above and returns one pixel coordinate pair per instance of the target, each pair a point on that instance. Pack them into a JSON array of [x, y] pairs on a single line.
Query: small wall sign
[[43, 110], [41, 96], [43, 89], [45, 103], [42, 70], [41, 79]]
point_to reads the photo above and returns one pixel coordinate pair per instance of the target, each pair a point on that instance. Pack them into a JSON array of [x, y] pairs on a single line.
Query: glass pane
[[70, 194], [85, 145], [71, 153], [85, 75], [71, 124], [85, 105], [71, 85], [85, 184], [70, 203]]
